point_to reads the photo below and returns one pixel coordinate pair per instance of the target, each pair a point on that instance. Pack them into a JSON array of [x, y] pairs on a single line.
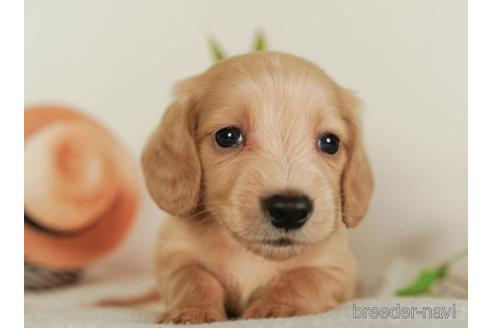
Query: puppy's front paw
[[192, 315], [260, 309]]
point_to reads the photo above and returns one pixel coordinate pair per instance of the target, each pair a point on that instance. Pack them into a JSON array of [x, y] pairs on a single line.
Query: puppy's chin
[[275, 250]]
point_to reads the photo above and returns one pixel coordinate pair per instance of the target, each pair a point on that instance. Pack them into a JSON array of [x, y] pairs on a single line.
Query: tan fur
[[211, 258]]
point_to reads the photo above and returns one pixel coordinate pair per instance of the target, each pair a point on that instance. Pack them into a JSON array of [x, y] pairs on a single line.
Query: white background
[[407, 60]]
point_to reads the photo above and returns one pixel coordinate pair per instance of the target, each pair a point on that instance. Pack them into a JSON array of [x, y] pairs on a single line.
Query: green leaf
[[217, 52], [260, 42], [424, 281]]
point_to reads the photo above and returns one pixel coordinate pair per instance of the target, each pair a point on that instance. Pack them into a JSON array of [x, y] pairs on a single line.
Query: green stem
[[457, 257], [457, 281]]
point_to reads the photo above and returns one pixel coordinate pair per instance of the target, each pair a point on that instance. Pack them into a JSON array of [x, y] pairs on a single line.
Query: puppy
[[260, 162]]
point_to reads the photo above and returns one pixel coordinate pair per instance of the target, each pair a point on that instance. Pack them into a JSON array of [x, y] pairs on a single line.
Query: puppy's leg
[[193, 295], [300, 292]]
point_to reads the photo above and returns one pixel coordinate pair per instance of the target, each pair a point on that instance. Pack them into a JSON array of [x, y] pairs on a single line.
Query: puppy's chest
[[243, 272]]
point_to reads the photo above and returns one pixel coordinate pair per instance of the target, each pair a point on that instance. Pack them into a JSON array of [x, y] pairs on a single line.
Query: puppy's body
[[244, 276], [261, 164]]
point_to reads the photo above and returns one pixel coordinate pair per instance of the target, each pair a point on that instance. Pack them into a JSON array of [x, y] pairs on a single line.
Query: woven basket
[[37, 278]]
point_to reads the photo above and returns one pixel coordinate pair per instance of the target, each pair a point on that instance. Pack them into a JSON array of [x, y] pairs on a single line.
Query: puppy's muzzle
[[287, 211]]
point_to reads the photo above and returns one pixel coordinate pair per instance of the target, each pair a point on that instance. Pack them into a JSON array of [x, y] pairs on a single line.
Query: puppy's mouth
[[276, 249], [280, 242], [278, 246]]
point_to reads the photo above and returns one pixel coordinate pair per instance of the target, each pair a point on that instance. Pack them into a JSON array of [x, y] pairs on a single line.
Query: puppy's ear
[[357, 181], [170, 161]]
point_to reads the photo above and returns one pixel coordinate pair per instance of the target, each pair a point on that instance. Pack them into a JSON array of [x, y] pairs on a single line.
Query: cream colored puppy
[[260, 162]]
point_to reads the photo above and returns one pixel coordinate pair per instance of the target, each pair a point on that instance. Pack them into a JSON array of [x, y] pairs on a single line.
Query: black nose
[[287, 212]]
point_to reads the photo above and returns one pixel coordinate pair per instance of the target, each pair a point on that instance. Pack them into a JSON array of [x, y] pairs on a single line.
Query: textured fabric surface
[[71, 307]]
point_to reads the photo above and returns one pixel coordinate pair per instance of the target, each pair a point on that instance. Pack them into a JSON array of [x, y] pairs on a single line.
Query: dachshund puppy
[[260, 162]]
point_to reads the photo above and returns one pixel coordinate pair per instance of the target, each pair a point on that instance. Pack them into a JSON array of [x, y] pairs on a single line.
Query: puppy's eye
[[229, 137], [328, 143]]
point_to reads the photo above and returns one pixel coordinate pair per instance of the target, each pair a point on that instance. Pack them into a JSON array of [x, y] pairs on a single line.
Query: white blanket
[[71, 307]]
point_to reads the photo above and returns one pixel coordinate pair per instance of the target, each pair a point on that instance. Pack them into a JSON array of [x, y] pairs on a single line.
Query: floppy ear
[[170, 161], [357, 181]]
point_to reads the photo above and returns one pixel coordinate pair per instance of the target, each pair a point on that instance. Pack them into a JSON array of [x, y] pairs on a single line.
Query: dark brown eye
[[229, 137], [329, 143]]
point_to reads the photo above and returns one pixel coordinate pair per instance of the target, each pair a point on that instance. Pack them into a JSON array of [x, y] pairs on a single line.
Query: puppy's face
[[273, 138]]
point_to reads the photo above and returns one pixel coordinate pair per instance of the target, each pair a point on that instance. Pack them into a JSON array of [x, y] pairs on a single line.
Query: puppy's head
[[269, 146]]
